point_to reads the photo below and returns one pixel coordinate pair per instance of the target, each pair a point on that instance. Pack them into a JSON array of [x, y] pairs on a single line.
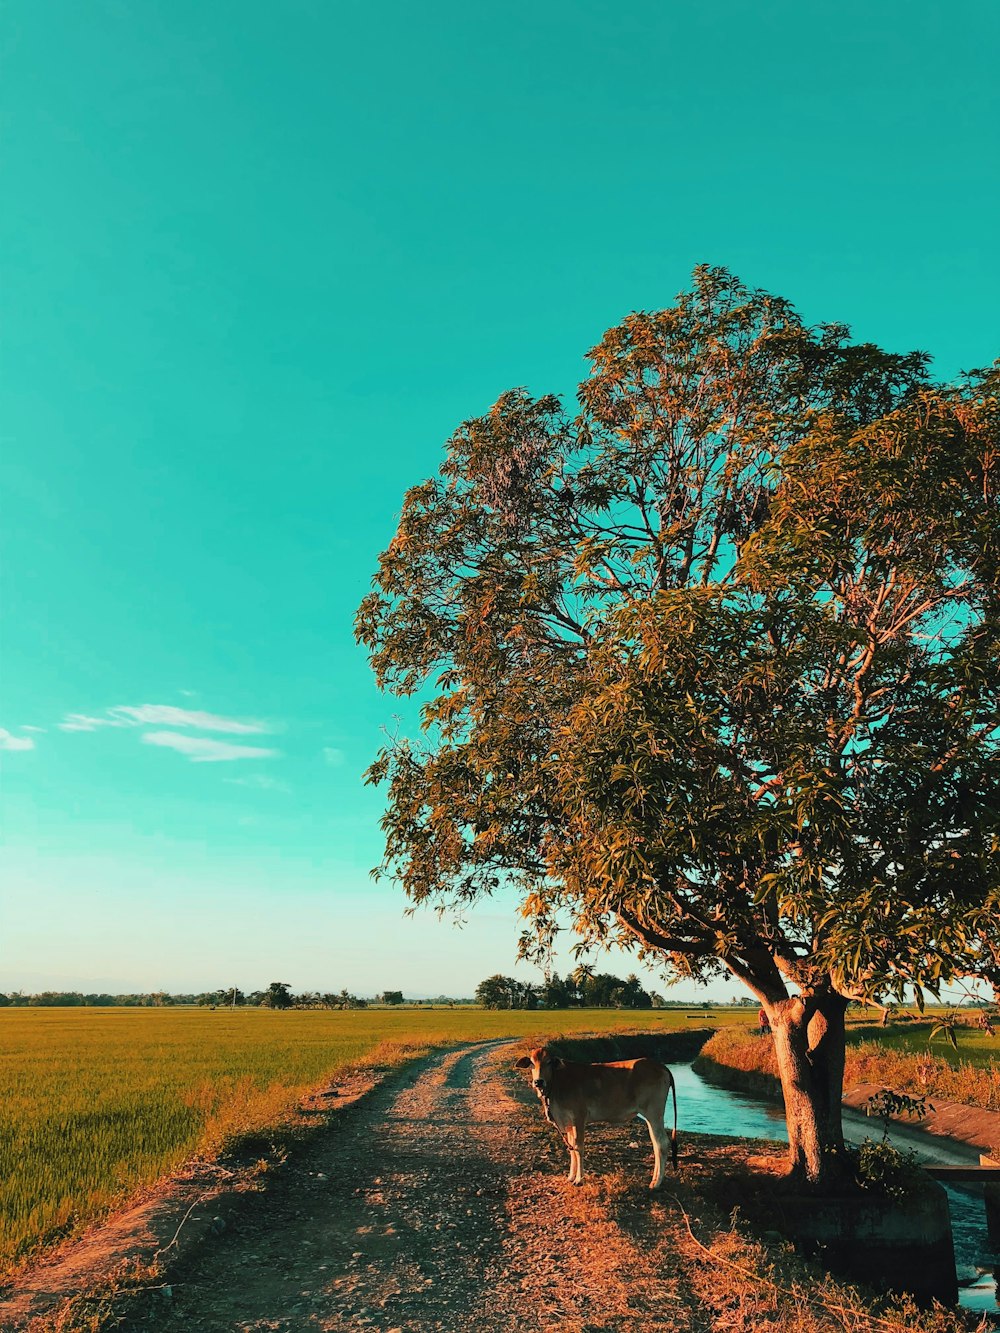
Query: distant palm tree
[[581, 975]]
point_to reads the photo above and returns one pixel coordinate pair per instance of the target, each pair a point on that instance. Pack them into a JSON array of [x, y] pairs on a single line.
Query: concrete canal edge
[[972, 1125], [958, 1123], [869, 1239], [883, 1242]]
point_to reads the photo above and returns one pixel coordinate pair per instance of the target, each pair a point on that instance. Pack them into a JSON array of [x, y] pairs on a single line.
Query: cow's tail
[[673, 1133]]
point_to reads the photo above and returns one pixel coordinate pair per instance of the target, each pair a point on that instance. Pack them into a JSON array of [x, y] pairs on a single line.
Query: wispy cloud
[[10, 742], [198, 749], [166, 715], [162, 715], [206, 750], [83, 722], [27, 728], [333, 756]]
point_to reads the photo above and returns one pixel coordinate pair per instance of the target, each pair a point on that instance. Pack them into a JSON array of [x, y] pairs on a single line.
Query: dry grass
[[131, 1283], [767, 1287], [909, 1059]]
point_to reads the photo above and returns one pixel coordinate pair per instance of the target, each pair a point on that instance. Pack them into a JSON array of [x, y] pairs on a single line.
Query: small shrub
[[885, 1170]]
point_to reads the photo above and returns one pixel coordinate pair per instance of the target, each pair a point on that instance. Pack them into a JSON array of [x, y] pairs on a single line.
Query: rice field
[[96, 1104]]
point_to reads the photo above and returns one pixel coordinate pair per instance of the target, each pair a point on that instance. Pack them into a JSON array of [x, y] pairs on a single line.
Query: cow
[[575, 1095]]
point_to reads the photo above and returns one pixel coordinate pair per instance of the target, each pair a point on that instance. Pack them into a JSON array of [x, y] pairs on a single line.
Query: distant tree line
[[278, 995], [584, 988]]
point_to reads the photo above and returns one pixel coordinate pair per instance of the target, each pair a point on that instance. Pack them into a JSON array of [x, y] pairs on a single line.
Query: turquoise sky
[[258, 261]]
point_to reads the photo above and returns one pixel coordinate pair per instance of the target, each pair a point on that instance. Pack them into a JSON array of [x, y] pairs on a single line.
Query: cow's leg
[[661, 1144], [574, 1142]]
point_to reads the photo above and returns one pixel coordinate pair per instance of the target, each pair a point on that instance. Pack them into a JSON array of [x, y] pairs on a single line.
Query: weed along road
[[440, 1204]]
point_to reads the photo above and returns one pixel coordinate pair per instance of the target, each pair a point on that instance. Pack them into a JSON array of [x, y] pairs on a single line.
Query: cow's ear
[[523, 1063]]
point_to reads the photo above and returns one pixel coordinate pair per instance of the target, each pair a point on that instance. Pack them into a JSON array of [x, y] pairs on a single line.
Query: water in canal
[[705, 1109]]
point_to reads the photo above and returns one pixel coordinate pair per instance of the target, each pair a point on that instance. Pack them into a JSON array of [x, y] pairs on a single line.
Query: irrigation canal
[[705, 1109]]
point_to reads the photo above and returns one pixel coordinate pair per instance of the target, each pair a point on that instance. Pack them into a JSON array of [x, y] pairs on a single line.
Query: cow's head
[[542, 1064]]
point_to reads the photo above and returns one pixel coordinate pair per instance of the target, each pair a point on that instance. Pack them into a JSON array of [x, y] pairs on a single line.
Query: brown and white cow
[[575, 1095]]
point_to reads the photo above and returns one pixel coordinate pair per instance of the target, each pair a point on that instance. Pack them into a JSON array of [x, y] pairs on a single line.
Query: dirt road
[[443, 1205]]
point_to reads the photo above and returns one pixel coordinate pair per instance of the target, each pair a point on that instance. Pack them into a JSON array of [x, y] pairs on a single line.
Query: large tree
[[278, 996], [709, 669]]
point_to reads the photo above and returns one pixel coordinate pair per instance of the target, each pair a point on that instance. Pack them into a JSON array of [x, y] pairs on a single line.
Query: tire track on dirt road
[[439, 1205]]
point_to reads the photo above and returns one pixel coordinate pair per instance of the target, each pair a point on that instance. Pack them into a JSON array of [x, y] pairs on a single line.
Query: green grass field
[[975, 1046], [97, 1103]]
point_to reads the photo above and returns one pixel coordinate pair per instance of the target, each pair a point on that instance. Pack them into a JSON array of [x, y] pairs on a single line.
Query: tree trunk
[[809, 1045]]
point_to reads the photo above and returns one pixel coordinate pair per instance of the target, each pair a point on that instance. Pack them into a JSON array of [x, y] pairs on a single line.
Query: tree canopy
[[500, 992], [710, 666], [278, 996], [589, 989]]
